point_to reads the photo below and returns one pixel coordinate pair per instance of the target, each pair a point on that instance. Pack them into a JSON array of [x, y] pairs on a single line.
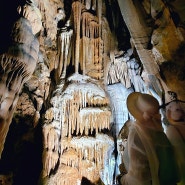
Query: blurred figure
[[175, 131], [149, 159]]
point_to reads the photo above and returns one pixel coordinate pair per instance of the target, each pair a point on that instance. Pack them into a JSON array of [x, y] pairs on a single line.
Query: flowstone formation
[[16, 67], [76, 143], [77, 139]]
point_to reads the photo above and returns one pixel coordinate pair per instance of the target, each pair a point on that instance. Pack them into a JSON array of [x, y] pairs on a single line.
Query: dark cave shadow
[[86, 181], [22, 154], [8, 15]]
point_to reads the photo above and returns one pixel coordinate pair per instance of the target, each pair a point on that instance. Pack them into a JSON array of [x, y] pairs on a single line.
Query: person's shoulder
[[172, 133], [170, 128]]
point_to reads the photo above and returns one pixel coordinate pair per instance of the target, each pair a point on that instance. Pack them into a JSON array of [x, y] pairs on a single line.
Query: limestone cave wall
[[66, 69]]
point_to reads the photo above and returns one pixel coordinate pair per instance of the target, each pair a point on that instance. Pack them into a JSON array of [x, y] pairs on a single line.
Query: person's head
[[175, 112], [142, 106]]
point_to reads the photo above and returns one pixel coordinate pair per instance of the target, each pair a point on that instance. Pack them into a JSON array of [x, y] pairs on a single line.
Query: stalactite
[[61, 53], [100, 119], [77, 7], [86, 153], [86, 103], [16, 67], [134, 74], [51, 145], [92, 44], [88, 4], [99, 6], [70, 158], [50, 159], [94, 29], [119, 72], [84, 24], [64, 52], [86, 146], [73, 99]]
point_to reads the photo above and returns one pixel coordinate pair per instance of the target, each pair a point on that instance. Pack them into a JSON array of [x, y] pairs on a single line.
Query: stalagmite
[[65, 175]]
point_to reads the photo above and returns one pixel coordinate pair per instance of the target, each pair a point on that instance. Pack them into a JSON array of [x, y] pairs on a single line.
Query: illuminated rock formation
[[73, 132], [16, 65], [78, 61]]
